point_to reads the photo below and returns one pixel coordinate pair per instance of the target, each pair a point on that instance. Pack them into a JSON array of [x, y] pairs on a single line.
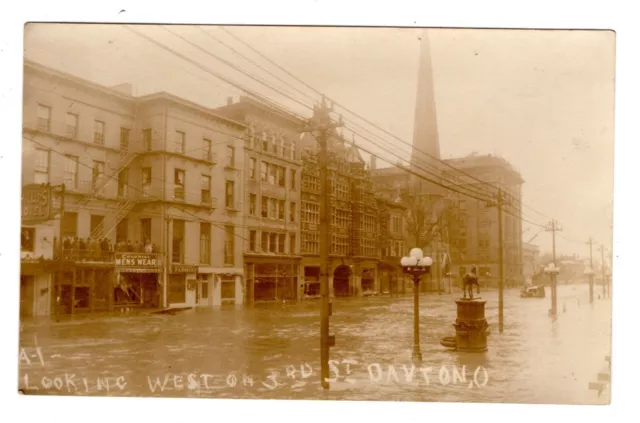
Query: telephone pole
[[553, 227], [321, 126], [604, 275], [499, 203], [591, 267]]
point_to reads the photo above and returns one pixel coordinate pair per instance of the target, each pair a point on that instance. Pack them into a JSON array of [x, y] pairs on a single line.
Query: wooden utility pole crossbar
[[321, 126], [499, 203]]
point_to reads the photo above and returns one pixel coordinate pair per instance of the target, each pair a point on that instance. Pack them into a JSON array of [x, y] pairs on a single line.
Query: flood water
[[252, 352]]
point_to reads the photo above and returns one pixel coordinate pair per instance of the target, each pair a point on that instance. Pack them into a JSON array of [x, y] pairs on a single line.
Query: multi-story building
[[353, 221], [530, 260], [469, 233], [271, 200], [150, 218]]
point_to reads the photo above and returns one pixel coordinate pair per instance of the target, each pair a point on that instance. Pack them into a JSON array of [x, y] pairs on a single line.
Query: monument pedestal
[[471, 325]]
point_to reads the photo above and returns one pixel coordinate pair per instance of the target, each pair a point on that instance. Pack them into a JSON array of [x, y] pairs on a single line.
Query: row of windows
[[310, 183], [271, 144], [271, 242], [99, 133], [272, 208], [311, 213], [310, 242], [272, 173], [340, 244]]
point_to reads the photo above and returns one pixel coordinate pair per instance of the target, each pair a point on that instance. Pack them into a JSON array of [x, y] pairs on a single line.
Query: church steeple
[[425, 154], [425, 129]]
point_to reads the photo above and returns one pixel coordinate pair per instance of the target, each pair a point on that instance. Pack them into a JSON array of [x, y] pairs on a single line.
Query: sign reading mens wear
[[36, 203], [183, 268], [138, 262]]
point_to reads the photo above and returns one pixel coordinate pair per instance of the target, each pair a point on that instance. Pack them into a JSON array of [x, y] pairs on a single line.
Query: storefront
[[137, 280], [182, 285], [35, 288], [273, 280]]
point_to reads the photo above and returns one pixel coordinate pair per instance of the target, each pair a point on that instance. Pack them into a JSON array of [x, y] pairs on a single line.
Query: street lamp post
[[589, 272], [416, 265], [553, 271]]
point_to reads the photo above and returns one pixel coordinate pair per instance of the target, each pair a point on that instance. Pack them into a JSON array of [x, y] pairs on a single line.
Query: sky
[[543, 100]]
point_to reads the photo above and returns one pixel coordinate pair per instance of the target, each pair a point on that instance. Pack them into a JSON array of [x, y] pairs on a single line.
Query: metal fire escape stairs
[[125, 203]]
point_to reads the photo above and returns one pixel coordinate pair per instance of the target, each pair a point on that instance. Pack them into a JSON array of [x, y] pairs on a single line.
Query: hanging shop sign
[[36, 203], [138, 262], [183, 268]]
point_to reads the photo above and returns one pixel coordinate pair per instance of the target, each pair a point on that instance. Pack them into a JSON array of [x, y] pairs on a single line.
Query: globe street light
[[416, 265], [553, 271], [589, 272]]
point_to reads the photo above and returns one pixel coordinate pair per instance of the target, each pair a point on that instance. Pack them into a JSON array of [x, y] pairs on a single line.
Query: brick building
[[151, 217]]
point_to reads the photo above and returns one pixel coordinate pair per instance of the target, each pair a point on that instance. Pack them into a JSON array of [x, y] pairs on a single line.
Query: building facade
[[151, 217], [271, 209]]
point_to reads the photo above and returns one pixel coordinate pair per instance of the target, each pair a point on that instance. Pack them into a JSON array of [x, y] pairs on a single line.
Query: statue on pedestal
[[468, 280]]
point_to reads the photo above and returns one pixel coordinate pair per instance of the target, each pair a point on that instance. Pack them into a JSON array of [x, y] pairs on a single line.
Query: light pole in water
[[553, 271], [589, 272], [416, 265]]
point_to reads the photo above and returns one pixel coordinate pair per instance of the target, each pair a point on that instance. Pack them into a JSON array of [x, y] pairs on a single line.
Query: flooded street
[[272, 351]]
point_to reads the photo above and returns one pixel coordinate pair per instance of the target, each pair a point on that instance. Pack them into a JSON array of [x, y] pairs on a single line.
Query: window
[[147, 139], [252, 168], [70, 178], [340, 244], [98, 132], [310, 242], [95, 223], [205, 288], [227, 287], [264, 242], [272, 174], [205, 189], [311, 213], [310, 183], [252, 240], [122, 230], [180, 142], [123, 183], [98, 172], [71, 129], [292, 177], [41, 175], [146, 181], [264, 171], [229, 198], [281, 209], [483, 243], [282, 238], [145, 230], [253, 198], [177, 253], [178, 181], [293, 151], [265, 142], [70, 224], [44, 118], [273, 208], [292, 243], [264, 206], [125, 135], [292, 211], [231, 156], [396, 224], [205, 242], [281, 175], [27, 239], [229, 244], [273, 242], [283, 148], [206, 149]]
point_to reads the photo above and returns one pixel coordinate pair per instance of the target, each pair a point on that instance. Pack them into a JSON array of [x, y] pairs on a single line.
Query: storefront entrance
[[137, 289], [341, 277], [27, 288], [275, 282]]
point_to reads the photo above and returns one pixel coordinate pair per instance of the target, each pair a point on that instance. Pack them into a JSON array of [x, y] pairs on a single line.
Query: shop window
[[228, 287]]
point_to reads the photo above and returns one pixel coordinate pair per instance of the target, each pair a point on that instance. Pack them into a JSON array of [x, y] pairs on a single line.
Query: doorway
[[341, 277], [27, 286]]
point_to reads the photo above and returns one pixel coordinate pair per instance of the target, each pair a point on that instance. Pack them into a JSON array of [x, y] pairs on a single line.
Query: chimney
[[373, 162], [229, 101]]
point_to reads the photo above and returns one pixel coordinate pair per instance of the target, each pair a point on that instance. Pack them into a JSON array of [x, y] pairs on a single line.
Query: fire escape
[[125, 201]]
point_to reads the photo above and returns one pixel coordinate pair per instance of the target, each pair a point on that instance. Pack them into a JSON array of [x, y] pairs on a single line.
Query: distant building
[[530, 260]]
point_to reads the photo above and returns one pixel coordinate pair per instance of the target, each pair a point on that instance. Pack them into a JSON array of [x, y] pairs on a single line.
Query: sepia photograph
[[317, 213]]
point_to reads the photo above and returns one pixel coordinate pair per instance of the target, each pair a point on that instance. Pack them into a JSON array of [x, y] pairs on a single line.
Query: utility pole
[[58, 290], [499, 203], [321, 126], [553, 228], [591, 267]]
